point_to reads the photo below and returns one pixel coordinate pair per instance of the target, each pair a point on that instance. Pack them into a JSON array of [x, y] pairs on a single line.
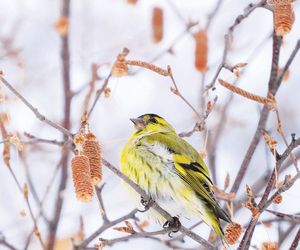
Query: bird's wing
[[188, 164], [192, 173]]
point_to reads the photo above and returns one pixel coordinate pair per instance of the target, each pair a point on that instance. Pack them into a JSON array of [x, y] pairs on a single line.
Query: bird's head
[[151, 123]]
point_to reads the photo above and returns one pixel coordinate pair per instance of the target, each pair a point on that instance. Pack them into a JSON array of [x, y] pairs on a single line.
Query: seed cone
[[92, 150], [233, 233], [82, 178]]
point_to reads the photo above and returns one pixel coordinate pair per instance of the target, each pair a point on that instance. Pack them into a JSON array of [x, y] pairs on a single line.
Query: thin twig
[[295, 241], [280, 190], [238, 20], [65, 59], [288, 63], [36, 112], [279, 162], [294, 217], [263, 116], [245, 243], [156, 207], [136, 235], [5, 243], [98, 93], [176, 91], [105, 226], [213, 14]]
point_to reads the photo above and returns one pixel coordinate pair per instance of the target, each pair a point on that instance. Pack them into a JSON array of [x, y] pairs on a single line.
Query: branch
[[296, 241], [106, 224], [245, 243], [238, 20], [263, 117], [136, 235], [5, 243], [156, 207], [288, 63], [36, 112], [293, 217], [98, 93], [272, 179], [283, 188], [65, 59]]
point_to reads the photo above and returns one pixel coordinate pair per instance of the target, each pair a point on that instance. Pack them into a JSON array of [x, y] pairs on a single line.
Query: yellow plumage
[[170, 171]]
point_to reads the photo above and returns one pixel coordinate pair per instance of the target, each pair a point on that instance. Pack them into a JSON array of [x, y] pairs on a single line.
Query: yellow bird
[[171, 172]]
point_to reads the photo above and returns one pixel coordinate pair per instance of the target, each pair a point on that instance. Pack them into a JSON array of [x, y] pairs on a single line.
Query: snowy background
[[99, 30]]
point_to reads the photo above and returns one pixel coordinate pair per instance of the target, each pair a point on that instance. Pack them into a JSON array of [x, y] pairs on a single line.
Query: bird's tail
[[218, 229], [212, 219]]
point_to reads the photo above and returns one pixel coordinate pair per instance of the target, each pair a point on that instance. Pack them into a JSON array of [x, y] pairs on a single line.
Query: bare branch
[[136, 235], [36, 112], [263, 116], [238, 20], [283, 188], [293, 217], [296, 241], [156, 207]]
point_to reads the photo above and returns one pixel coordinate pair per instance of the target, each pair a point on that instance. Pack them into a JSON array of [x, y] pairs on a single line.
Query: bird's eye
[[153, 120]]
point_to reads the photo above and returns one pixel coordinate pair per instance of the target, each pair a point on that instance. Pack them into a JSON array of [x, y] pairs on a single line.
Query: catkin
[[92, 150], [280, 2], [157, 24], [132, 1], [233, 233], [283, 19], [201, 51], [82, 178]]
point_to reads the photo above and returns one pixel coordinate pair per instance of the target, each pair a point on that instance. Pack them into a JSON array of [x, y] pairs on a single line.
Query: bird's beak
[[138, 123]]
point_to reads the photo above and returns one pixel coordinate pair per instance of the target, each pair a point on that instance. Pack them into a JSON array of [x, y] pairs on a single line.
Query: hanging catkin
[[92, 150], [157, 24], [82, 178], [279, 2], [283, 19], [201, 51]]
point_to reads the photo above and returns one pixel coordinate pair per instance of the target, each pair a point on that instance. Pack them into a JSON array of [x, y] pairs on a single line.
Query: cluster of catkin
[[86, 167], [284, 16]]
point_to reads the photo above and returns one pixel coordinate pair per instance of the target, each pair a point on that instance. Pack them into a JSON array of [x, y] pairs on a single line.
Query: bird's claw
[[146, 203], [174, 225]]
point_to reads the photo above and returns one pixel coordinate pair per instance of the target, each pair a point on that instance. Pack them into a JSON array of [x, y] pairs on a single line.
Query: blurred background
[[30, 45]]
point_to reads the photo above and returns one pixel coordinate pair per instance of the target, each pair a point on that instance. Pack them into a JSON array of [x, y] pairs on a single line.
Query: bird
[[171, 172]]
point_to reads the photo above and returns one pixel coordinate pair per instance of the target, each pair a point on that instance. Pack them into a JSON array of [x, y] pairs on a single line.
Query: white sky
[[99, 30]]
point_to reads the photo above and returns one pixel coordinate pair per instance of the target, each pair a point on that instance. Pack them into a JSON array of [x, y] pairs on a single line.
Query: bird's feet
[[174, 225], [146, 203]]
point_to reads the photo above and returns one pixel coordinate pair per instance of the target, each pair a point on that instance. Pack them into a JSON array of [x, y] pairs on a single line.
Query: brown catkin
[[132, 1], [82, 178], [283, 19], [280, 2], [157, 24], [92, 150], [201, 51], [233, 233]]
